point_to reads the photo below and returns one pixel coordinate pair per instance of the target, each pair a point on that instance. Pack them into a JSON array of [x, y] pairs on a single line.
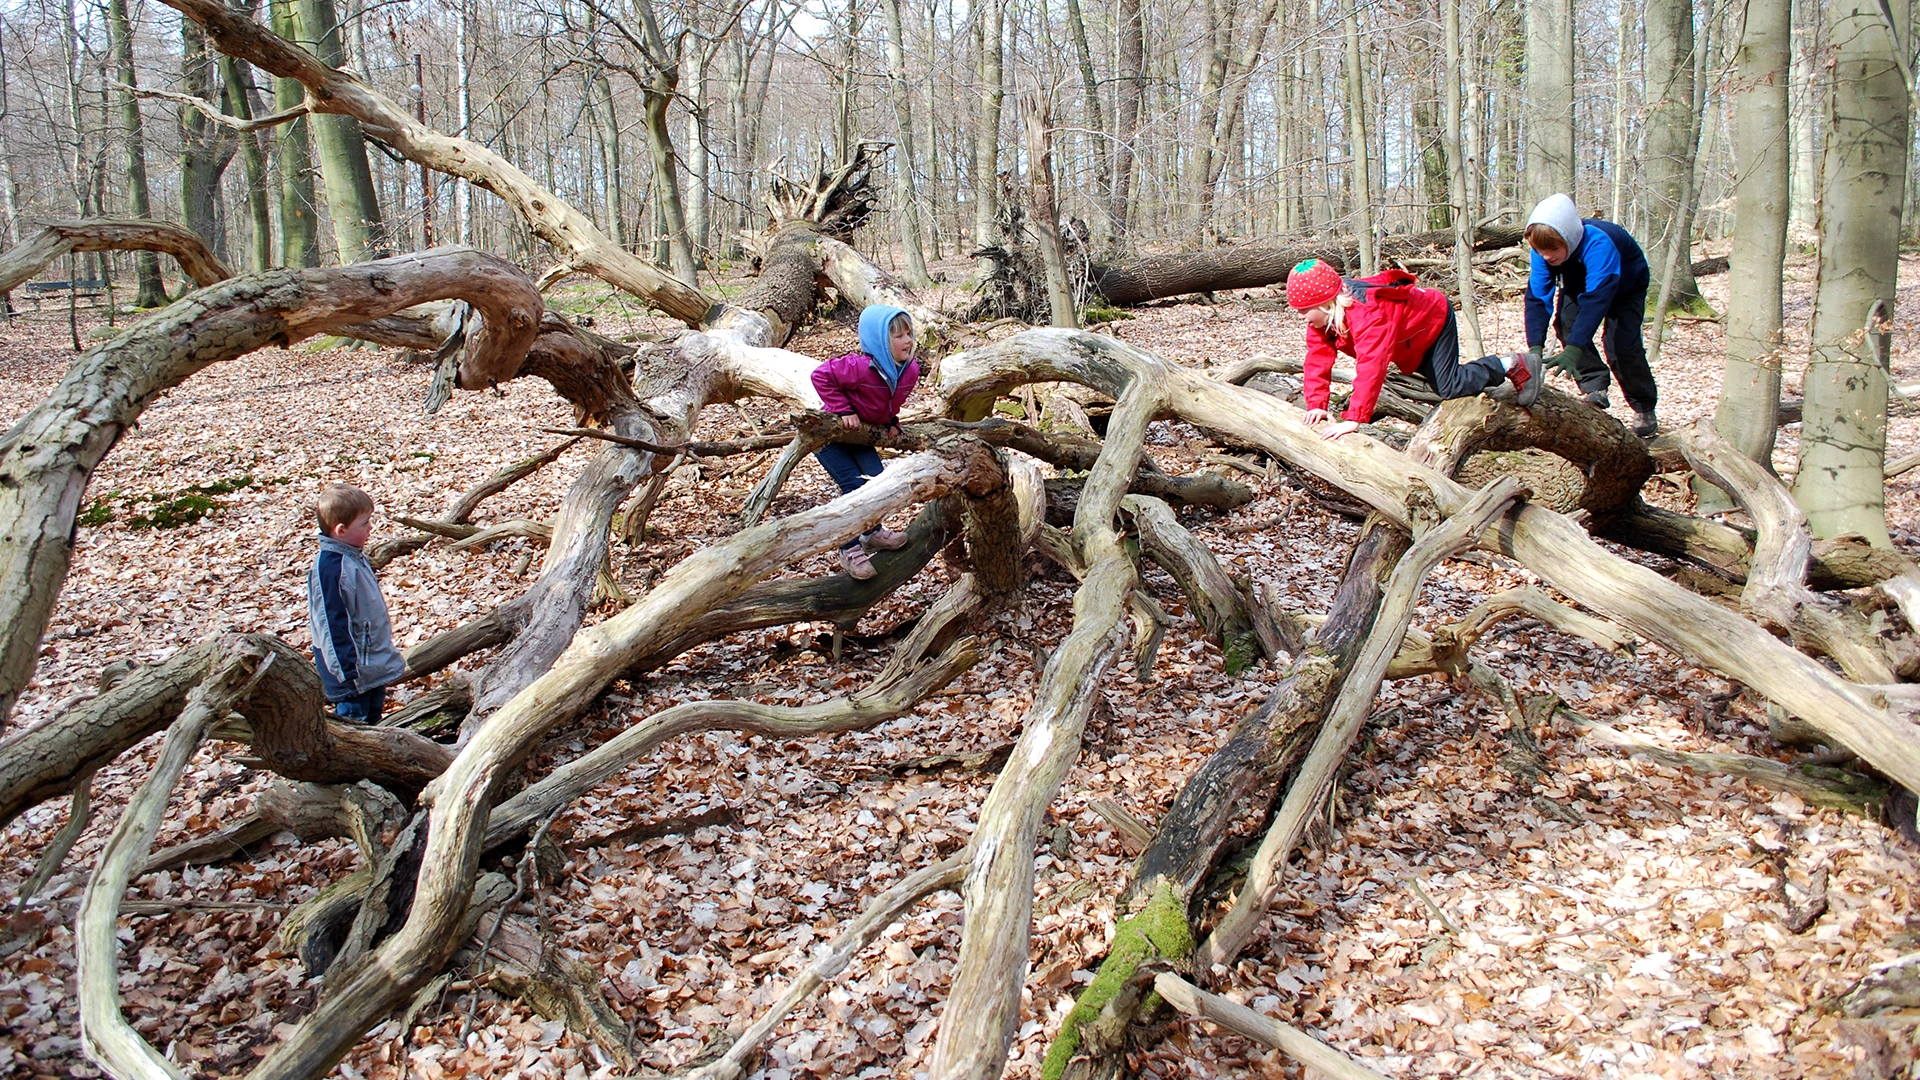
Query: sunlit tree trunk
[[1457, 182], [1550, 61], [149, 291], [299, 221], [906, 198], [1748, 413], [991, 18], [1841, 484], [1671, 138], [1362, 203], [353, 204]]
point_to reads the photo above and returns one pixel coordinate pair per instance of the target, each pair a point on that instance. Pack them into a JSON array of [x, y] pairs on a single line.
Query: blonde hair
[[341, 504], [1336, 310]]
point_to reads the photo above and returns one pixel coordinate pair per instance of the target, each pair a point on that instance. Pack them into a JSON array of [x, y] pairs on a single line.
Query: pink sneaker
[[884, 539], [855, 560]]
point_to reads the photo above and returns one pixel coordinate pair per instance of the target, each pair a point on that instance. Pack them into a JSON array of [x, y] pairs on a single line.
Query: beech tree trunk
[[149, 291], [1747, 415], [1842, 479], [1670, 140], [1550, 75]]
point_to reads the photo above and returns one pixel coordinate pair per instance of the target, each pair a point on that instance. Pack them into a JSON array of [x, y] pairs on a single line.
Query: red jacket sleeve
[[1373, 334], [1316, 373]]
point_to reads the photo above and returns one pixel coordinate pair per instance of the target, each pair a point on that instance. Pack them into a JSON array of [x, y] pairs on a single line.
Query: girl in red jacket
[[1385, 321]]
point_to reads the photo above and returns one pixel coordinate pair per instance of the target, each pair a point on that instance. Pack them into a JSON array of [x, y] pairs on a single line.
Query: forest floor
[[1613, 918]]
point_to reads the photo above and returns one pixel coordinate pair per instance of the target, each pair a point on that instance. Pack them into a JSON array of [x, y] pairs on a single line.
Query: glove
[[1567, 360]]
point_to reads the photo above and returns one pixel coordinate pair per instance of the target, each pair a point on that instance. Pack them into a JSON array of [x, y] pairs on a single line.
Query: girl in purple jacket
[[867, 387]]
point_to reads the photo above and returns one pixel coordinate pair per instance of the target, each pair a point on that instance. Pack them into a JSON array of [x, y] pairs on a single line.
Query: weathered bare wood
[[1878, 720], [983, 1003], [105, 1035], [1459, 532], [57, 238], [1253, 266], [552, 218], [47, 457], [1217, 604], [893, 694], [460, 797], [1447, 649], [1241, 1020], [1775, 593], [883, 912]]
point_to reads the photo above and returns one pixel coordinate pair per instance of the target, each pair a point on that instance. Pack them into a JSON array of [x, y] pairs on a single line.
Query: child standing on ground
[[1386, 321], [1598, 276], [352, 638], [869, 387]]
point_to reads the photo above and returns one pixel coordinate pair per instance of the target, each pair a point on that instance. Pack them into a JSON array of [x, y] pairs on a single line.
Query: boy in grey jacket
[[352, 639]]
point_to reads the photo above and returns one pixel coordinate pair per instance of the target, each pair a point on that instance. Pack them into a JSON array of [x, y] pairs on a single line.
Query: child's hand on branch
[[1334, 431], [850, 420], [1316, 417]]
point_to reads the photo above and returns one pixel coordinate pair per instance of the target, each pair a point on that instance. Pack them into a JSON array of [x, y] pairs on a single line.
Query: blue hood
[[874, 321]]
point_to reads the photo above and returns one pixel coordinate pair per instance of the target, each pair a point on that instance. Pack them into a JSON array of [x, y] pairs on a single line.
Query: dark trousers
[[365, 708], [1451, 378], [1626, 349], [850, 466]]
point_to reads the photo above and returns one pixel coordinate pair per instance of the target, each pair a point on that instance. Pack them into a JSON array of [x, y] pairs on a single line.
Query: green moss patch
[[1158, 930]]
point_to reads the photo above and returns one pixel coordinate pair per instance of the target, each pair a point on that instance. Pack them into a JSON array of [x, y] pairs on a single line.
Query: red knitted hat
[[1311, 284]]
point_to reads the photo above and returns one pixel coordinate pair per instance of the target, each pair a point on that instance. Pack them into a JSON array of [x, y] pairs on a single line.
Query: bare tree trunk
[[206, 148], [355, 207], [1132, 79], [1362, 202], [1841, 484], [1198, 165], [149, 291], [299, 216], [699, 159], [1457, 184], [1747, 415], [1100, 140], [1672, 134], [991, 27], [1046, 216], [237, 77], [1550, 70], [608, 120], [906, 198]]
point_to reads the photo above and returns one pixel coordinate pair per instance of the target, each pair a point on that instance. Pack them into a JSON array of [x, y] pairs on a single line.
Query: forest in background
[[1176, 125], [1082, 493]]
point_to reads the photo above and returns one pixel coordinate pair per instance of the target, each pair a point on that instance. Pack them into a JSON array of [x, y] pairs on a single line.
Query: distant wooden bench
[[40, 290]]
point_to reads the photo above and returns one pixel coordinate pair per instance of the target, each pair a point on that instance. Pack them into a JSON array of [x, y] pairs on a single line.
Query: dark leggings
[[1626, 349], [1451, 378]]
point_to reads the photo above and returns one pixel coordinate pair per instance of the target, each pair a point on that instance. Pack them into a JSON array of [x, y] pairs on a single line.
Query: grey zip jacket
[[352, 638]]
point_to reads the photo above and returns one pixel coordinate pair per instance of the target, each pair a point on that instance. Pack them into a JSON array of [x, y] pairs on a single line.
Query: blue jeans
[[365, 708], [849, 465]]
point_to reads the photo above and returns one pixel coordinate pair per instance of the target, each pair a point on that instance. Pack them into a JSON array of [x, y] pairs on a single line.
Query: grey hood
[[1558, 213]]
